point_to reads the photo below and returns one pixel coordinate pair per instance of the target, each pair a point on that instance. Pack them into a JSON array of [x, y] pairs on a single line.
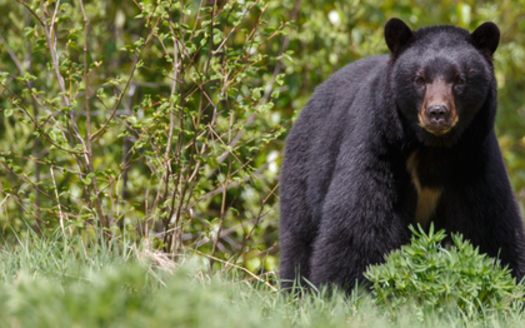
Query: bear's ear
[[486, 37], [397, 34]]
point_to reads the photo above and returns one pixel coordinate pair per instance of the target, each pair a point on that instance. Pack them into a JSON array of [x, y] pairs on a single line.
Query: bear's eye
[[459, 80], [420, 80]]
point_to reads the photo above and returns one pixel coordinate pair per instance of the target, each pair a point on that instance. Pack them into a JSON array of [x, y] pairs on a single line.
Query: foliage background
[[202, 100]]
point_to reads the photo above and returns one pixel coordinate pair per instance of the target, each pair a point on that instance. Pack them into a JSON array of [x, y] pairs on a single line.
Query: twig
[[263, 203], [240, 268], [61, 216], [36, 146], [221, 221], [12, 55], [54, 58], [31, 11]]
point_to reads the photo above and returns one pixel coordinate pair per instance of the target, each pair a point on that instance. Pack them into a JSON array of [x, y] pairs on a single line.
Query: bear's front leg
[[364, 217], [480, 204]]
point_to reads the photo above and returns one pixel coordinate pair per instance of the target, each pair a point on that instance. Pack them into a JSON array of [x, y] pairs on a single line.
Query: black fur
[[347, 197]]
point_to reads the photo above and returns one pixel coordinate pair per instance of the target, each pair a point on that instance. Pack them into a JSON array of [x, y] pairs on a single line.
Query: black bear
[[394, 140]]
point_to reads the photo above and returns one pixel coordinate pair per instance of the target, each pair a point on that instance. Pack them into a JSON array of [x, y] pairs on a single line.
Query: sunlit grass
[[46, 282]]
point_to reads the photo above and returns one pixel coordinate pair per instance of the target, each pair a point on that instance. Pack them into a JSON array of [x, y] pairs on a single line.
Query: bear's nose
[[438, 114]]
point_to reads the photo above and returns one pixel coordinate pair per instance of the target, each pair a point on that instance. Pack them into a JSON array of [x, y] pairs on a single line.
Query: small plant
[[434, 278]]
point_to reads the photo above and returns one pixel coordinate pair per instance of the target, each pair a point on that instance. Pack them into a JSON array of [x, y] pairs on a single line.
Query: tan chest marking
[[427, 198]]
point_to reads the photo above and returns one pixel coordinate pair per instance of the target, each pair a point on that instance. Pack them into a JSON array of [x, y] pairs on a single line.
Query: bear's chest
[[428, 172]]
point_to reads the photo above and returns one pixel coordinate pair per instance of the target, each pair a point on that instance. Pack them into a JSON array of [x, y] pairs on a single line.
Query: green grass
[[47, 283]]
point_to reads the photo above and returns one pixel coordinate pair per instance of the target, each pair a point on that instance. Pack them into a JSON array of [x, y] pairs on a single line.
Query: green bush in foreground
[[436, 278]]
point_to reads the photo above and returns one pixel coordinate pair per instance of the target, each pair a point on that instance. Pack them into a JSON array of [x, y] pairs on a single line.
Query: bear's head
[[441, 77]]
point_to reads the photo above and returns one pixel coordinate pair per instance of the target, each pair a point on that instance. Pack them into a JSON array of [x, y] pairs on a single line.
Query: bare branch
[[31, 11]]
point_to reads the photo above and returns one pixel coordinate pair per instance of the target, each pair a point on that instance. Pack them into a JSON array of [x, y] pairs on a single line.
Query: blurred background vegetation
[[163, 122]]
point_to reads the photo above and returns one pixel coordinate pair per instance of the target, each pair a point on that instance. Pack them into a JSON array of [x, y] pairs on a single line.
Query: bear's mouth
[[437, 119], [437, 127]]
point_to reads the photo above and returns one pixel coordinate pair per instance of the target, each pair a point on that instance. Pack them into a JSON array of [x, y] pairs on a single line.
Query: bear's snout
[[438, 113]]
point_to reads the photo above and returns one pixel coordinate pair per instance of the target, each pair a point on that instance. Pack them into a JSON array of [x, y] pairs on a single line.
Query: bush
[[150, 119], [434, 278]]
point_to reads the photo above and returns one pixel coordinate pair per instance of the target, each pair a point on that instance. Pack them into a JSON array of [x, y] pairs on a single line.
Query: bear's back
[[334, 110], [334, 100], [338, 105]]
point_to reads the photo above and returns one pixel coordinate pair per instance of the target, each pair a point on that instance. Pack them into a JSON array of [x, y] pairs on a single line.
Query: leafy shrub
[[150, 119], [433, 277]]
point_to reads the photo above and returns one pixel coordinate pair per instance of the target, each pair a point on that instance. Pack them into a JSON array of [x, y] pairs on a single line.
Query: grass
[[48, 283]]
